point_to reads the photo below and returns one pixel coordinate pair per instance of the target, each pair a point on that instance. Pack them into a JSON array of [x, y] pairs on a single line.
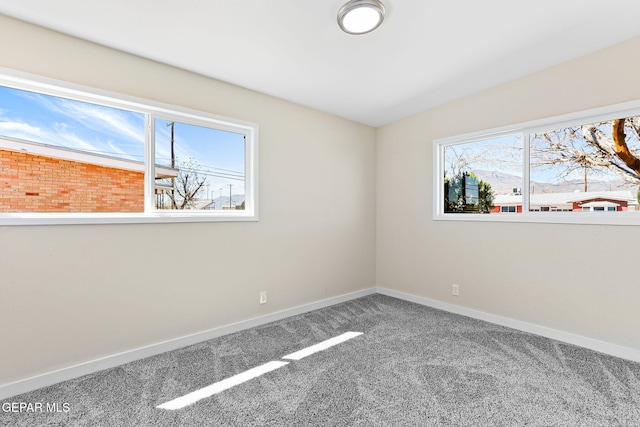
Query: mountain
[[501, 183], [504, 183], [219, 202], [236, 200]]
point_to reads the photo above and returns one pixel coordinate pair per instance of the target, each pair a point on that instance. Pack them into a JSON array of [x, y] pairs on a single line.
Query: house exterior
[[43, 178], [590, 201]]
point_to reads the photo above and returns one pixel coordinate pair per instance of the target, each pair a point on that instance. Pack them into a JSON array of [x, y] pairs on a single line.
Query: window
[[209, 165], [476, 172], [75, 155], [552, 170], [63, 155]]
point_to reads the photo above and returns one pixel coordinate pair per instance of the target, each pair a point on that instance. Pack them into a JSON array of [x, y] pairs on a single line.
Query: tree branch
[[622, 150]]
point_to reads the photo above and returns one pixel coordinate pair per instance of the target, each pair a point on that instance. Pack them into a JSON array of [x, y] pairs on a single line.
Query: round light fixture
[[361, 16]]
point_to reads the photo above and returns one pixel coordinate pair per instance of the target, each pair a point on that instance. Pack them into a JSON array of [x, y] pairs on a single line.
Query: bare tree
[[476, 155], [461, 158], [187, 186], [591, 149]]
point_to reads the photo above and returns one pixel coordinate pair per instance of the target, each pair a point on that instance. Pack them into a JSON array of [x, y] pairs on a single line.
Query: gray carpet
[[413, 366]]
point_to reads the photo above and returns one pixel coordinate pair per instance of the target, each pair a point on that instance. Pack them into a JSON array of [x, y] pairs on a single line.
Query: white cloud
[[106, 120], [20, 130], [59, 135], [80, 126]]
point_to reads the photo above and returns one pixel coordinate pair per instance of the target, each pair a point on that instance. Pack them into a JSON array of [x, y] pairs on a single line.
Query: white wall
[[70, 294], [580, 279]]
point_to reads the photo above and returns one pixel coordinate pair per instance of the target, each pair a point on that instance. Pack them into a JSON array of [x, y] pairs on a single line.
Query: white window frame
[[151, 110], [627, 109]]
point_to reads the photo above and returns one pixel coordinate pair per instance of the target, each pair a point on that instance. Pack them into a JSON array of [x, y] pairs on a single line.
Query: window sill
[[18, 219], [580, 218]]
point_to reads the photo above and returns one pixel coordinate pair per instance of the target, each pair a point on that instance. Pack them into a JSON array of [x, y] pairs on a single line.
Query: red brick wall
[[31, 183]]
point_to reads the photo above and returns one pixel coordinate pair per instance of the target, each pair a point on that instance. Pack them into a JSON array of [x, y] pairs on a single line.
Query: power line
[[208, 172], [207, 166]]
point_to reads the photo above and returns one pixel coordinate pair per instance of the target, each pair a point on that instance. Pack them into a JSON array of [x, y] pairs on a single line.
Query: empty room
[[342, 212]]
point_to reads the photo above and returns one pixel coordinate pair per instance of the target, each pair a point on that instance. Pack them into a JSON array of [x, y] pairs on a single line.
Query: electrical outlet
[[455, 290], [263, 297]]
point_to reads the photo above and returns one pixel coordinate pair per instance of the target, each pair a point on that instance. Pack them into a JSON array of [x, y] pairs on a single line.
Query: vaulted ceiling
[[426, 53]]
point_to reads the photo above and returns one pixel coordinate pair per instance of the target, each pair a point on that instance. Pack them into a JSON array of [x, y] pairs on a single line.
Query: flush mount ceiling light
[[361, 16]]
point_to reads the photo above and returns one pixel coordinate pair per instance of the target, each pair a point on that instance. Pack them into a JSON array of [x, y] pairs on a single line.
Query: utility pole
[[173, 165], [230, 185], [173, 154]]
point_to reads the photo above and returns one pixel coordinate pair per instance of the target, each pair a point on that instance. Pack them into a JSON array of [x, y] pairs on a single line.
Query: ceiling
[[425, 54]]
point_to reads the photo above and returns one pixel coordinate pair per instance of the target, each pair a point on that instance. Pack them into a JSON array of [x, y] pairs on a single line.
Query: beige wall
[[580, 279], [70, 294]]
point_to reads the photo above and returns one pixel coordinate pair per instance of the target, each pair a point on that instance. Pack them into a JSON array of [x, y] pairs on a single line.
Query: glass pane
[[198, 167], [61, 155], [587, 168], [483, 177]]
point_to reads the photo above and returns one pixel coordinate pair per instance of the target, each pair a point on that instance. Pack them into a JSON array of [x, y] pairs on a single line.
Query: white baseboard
[[75, 371], [567, 337], [71, 372]]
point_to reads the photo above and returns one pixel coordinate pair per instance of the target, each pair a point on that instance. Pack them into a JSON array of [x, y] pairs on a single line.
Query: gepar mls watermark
[[31, 407]]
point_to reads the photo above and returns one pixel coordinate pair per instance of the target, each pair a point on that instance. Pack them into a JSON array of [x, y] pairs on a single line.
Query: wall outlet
[[455, 290], [263, 297]]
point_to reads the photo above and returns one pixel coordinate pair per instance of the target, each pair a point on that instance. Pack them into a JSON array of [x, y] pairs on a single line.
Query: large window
[[582, 168], [75, 155]]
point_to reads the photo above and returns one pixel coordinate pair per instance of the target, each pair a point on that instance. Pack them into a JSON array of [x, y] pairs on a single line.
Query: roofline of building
[[601, 195], [517, 199], [70, 154]]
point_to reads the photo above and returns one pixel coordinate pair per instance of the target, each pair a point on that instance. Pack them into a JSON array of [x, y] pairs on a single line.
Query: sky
[[504, 154], [219, 155]]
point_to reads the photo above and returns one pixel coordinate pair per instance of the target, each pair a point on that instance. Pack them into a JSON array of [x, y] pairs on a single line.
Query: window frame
[[152, 110], [524, 130]]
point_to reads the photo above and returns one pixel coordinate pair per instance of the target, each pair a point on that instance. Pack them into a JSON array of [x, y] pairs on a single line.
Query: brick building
[[43, 178]]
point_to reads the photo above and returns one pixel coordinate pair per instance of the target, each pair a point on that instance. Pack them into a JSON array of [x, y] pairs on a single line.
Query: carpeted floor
[[413, 366]]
